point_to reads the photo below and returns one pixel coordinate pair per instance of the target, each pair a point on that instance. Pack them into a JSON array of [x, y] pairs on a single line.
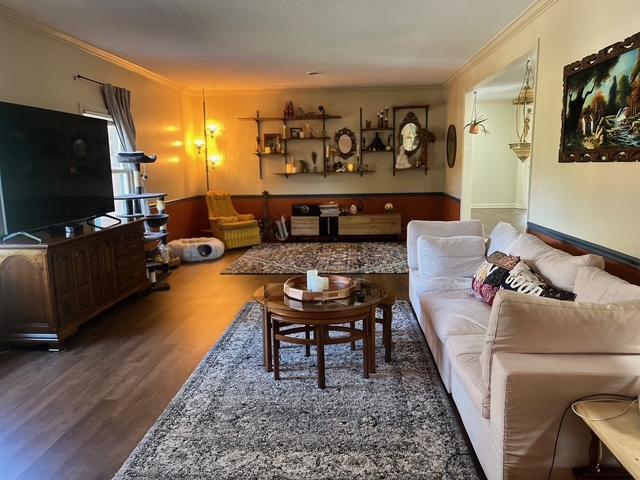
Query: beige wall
[[494, 169], [236, 142], [38, 70], [593, 201]]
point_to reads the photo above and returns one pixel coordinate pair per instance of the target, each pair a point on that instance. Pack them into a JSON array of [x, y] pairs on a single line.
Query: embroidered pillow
[[491, 275], [523, 280]]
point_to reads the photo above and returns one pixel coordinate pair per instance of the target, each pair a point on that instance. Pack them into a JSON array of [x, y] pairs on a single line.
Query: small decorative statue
[[314, 159], [288, 109], [304, 166], [388, 207], [367, 124], [388, 148], [308, 131], [402, 161], [376, 144], [321, 109]]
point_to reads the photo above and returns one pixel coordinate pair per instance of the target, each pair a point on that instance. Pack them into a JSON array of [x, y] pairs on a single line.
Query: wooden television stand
[[49, 289]]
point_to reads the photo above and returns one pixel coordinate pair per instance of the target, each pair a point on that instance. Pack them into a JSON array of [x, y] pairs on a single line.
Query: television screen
[[55, 168]]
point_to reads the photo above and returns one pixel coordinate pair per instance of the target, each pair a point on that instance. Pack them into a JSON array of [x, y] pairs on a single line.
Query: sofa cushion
[[456, 256], [416, 228], [464, 352], [455, 313], [420, 284], [559, 267], [502, 237], [597, 286]]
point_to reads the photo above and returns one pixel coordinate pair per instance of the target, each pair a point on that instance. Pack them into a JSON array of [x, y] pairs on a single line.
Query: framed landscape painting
[[601, 110]]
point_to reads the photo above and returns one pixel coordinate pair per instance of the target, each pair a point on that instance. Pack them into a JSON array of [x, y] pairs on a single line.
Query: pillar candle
[[325, 283], [315, 285], [311, 274]]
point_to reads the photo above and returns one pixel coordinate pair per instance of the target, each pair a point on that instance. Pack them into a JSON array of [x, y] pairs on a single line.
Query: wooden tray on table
[[339, 287]]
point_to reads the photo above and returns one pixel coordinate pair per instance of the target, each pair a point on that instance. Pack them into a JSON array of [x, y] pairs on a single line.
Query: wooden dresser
[[48, 290]]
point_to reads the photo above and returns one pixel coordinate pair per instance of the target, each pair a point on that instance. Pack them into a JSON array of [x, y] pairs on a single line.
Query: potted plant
[[476, 124], [477, 120]]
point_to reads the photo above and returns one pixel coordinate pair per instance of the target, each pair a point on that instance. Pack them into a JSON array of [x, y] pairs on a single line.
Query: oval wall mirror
[[346, 142], [452, 145], [408, 135]]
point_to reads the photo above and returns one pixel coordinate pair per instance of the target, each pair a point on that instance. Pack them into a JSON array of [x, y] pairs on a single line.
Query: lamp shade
[[521, 149]]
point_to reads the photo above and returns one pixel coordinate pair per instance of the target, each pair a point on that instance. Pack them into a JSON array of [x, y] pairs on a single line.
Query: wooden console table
[[363, 225], [620, 434]]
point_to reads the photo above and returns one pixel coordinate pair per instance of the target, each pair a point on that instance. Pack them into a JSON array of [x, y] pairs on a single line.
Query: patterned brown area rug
[[232, 420], [339, 257]]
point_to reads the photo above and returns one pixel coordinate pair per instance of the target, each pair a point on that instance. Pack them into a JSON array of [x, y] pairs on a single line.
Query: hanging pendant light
[[523, 102]]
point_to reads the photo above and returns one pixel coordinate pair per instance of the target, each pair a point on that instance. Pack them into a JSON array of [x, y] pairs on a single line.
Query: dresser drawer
[[305, 226]]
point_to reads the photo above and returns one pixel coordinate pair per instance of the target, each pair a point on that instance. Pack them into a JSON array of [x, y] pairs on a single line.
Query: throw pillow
[[502, 237], [457, 256], [491, 275], [522, 279]]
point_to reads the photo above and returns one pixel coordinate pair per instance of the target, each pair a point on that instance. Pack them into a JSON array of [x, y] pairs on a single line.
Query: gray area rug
[[231, 420], [339, 257]]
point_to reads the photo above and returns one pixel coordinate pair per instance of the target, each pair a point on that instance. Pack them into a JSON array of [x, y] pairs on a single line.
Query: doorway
[[495, 180]]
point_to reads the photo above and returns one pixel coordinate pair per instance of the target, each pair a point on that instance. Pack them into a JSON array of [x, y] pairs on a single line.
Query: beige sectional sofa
[[514, 368]]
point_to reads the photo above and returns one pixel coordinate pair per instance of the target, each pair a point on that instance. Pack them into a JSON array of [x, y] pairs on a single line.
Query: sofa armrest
[[246, 216], [530, 393]]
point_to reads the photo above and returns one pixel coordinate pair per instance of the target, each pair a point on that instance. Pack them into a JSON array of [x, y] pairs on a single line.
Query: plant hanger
[[477, 120]]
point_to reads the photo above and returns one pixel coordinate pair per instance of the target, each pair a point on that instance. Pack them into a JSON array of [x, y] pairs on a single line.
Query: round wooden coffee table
[[284, 319]]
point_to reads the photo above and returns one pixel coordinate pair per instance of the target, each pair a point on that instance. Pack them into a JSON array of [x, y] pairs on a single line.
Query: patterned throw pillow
[[523, 280], [491, 275]]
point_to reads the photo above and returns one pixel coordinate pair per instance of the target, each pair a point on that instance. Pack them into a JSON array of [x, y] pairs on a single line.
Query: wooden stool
[[386, 305]]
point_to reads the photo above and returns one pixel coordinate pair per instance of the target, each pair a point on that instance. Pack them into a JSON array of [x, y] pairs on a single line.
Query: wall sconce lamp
[[214, 160], [199, 144], [212, 129]]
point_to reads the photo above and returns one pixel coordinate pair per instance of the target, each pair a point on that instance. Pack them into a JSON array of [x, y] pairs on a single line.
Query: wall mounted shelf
[[283, 174], [259, 120]]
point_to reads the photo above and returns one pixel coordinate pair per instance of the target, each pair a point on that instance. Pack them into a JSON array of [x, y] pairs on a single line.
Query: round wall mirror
[[346, 142], [452, 145], [408, 135]]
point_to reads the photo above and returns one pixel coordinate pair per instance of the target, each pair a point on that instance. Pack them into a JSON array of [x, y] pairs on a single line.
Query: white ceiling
[[231, 44], [507, 83]]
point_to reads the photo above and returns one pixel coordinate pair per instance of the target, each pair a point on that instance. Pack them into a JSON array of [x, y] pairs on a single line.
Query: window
[[122, 180]]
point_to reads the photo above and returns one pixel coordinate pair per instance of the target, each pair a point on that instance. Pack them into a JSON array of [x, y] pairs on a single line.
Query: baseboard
[[495, 205]]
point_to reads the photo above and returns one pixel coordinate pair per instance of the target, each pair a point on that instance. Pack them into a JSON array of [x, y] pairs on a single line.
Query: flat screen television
[[55, 169]]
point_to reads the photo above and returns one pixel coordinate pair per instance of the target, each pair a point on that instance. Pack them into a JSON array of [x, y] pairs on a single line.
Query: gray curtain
[[118, 101]]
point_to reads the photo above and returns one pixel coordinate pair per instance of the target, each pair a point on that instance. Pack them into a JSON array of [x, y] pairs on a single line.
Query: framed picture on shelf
[[294, 132], [601, 106], [272, 142]]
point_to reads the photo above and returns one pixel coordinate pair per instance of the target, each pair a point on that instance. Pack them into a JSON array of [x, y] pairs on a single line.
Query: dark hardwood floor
[[77, 414]]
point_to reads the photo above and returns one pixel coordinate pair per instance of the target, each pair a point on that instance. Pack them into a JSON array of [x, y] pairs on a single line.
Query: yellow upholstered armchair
[[234, 229]]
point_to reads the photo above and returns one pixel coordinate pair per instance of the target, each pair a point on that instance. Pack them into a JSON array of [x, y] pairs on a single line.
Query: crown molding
[[520, 23], [292, 90], [36, 26]]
